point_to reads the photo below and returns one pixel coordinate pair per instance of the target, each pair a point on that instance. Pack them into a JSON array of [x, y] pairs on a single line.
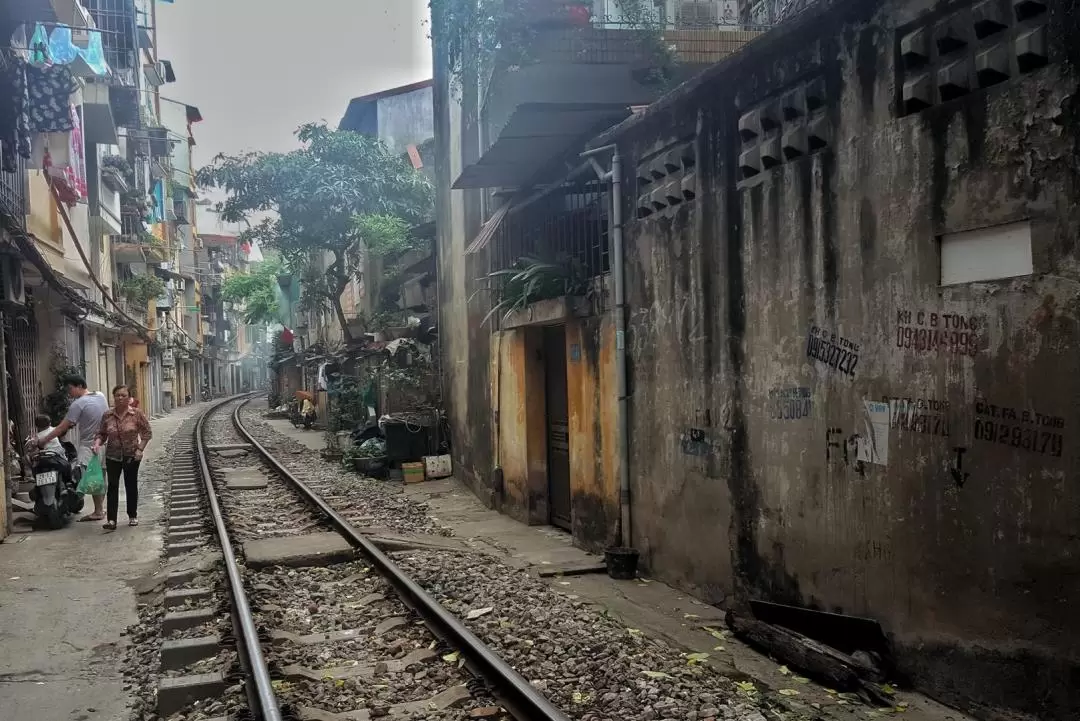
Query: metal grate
[[24, 347], [117, 18], [567, 225], [13, 193]]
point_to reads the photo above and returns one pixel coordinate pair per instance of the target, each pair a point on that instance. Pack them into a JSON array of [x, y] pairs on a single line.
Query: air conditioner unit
[[11, 275]]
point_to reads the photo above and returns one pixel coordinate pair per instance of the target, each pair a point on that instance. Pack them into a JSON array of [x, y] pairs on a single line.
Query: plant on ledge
[[135, 202], [56, 403], [531, 280], [119, 164], [141, 289]]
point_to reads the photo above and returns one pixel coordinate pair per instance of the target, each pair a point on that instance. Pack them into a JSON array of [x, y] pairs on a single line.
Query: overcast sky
[[257, 69]]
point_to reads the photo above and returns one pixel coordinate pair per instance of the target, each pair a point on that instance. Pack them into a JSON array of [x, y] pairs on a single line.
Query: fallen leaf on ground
[[656, 674], [746, 687], [452, 657], [691, 615], [716, 633], [478, 612], [800, 679], [784, 670], [692, 658], [788, 692]]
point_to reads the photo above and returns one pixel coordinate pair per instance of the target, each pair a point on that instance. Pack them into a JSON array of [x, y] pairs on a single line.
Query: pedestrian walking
[[84, 415], [125, 432]]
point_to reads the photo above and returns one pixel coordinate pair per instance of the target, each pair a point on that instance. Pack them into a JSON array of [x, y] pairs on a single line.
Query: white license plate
[[44, 479]]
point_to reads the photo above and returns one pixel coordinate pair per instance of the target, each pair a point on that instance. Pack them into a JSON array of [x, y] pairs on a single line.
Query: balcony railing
[[13, 192], [120, 41], [604, 42]]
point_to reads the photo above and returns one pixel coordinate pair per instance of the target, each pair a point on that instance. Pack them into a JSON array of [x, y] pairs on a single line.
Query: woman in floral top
[[125, 433]]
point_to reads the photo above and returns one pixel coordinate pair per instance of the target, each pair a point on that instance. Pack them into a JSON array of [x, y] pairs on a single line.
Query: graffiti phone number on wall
[[1017, 436]]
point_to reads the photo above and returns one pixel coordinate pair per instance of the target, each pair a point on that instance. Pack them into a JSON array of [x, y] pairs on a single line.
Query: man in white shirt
[[84, 415]]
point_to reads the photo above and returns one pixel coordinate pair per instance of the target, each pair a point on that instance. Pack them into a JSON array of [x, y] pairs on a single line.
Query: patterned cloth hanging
[[50, 92]]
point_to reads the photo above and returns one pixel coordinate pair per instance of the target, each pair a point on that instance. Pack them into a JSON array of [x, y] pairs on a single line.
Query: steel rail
[[269, 708], [520, 697]]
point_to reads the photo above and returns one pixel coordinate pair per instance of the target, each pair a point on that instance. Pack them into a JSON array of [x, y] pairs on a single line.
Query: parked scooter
[[54, 493]]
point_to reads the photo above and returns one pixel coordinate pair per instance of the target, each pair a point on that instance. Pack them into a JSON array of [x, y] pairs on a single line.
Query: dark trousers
[[130, 468]]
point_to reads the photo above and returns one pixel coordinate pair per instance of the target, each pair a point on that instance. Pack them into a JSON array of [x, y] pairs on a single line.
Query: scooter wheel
[[56, 517]]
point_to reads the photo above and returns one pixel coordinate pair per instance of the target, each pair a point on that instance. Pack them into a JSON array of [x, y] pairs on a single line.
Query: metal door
[[558, 426]]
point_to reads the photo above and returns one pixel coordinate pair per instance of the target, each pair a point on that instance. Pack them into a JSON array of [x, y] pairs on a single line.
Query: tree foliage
[[257, 290], [328, 196]]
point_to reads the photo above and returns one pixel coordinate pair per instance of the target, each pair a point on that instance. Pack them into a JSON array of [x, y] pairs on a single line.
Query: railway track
[[350, 640]]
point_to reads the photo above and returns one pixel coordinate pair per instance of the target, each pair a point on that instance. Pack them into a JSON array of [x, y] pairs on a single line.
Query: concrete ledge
[[174, 694], [245, 479], [181, 578], [186, 651], [230, 447], [176, 549], [388, 540], [182, 596], [572, 569], [232, 453], [183, 620], [553, 311], [184, 536], [190, 518], [317, 549]]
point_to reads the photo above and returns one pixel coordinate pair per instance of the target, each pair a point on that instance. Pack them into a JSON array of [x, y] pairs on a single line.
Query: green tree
[[257, 290], [325, 199]]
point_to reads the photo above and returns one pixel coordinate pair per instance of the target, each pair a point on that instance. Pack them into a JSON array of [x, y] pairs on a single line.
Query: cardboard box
[[413, 472]]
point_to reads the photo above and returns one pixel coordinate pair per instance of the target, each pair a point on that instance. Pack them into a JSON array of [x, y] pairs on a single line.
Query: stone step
[[174, 694], [181, 652]]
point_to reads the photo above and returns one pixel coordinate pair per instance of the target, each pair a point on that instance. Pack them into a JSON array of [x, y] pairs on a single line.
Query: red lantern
[[287, 337]]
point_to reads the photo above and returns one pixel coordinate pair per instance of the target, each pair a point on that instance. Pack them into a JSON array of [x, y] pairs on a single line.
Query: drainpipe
[[614, 176]]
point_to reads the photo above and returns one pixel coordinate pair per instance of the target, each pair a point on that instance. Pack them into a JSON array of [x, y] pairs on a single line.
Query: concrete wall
[[406, 119], [774, 320], [464, 344]]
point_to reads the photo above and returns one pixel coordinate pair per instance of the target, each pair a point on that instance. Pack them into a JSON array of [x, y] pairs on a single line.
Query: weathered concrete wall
[[769, 316], [406, 119], [517, 376], [464, 343]]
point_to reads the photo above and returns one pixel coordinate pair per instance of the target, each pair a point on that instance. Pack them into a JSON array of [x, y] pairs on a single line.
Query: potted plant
[[116, 172]]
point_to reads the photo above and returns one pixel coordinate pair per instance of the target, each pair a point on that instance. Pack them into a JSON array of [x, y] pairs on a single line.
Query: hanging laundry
[[20, 47], [61, 48], [94, 54], [75, 172], [39, 48], [14, 115], [50, 92], [62, 156]]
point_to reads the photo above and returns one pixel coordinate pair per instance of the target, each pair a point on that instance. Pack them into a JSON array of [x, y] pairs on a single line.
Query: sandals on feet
[[90, 517], [110, 526], [133, 522]]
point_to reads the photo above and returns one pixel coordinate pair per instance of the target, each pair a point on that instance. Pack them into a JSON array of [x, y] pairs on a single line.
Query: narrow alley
[[539, 360]]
